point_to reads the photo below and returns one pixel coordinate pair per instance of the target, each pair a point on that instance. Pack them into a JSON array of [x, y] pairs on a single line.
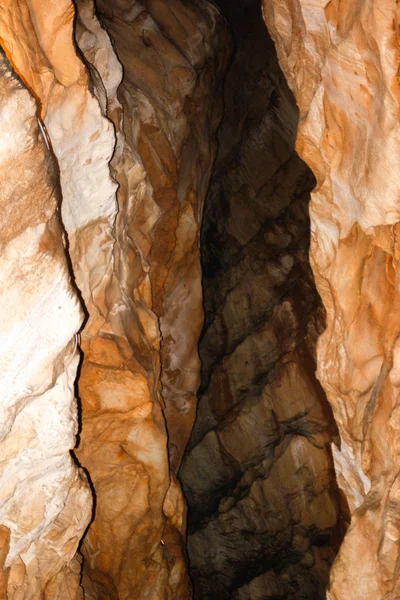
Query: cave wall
[[140, 372], [130, 232], [107, 143], [45, 502], [341, 60], [258, 473]]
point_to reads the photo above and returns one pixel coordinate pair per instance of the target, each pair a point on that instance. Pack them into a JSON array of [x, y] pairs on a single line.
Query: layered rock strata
[[258, 474], [134, 261], [341, 60]]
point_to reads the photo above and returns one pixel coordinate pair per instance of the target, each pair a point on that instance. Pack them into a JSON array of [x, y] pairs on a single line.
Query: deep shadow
[[255, 222]]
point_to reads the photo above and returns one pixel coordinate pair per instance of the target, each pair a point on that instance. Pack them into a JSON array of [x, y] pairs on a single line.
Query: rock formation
[[141, 370], [133, 262], [45, 501], [258, 473], [341, 60], [108, 119]]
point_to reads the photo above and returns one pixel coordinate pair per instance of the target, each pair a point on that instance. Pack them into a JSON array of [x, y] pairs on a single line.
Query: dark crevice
[[263, 504]]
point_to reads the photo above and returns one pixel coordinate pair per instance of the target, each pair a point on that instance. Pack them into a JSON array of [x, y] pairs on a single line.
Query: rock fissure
[[228, 427]]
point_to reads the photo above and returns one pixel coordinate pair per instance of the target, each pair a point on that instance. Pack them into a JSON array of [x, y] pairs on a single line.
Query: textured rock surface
[[134, 258], [42, 51], [45, 502], [141, 370], [258, 474], [341, 59]]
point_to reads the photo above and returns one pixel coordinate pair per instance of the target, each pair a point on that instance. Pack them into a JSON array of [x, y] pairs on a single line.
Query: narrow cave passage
[[110, 112], [263, 506]]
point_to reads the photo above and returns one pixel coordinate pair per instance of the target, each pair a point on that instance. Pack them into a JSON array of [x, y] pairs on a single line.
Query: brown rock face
[[140, 371], [258, 474], [135, 261], [108, 119], [341, 60]]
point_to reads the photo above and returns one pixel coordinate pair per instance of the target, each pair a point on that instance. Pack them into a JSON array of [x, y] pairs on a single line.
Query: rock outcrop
[[258, 474], [341, 60], [133, 258]]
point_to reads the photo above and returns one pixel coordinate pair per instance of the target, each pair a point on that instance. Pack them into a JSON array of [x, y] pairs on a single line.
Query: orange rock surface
[[341, 60], [134, 261], [140, 371], [108, 119]]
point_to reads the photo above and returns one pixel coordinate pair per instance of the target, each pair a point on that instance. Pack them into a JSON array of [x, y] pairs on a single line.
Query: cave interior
[[198, 367]]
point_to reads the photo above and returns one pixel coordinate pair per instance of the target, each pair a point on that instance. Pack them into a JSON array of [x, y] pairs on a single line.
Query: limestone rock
[[258, 474], [45, 502], [134, 259], [41, 48], [341, 61], [140, 372]]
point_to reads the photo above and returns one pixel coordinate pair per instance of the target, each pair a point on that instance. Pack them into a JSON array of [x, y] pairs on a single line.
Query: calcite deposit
[[341, 60], [45, 502], [129, 163], [258, 474]]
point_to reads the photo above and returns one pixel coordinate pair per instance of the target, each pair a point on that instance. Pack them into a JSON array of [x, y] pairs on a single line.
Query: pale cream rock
[[45, 501]]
